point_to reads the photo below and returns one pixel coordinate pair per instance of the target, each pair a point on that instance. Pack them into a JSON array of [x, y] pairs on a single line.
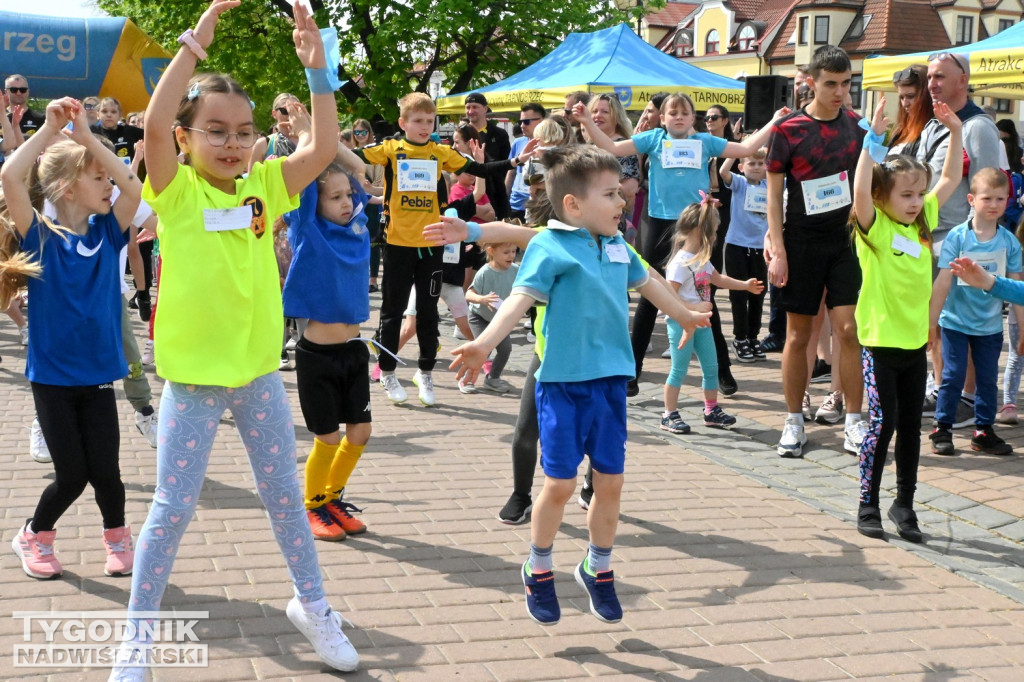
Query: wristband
[[874, 143], [319, 81], [188, 40], [473, 232]]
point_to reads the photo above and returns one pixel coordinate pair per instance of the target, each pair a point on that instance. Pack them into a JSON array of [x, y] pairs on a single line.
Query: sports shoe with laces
[[673, 423], [604, 603], [541, 600], [37, 444], [396, 393], [793, 438], [36, 553], [718, 417], [120, 555], [147, 426], [323, 630], [743, 351], [771, 344], [498, 385], [985, 440], [821, 373], [942, 441], [906, 523], [831, 410], [341, 512], [425, 382], [286, 362], [466, 386], [869, 522], [805, 407], [516, 510], [322, 523], [1007, 414], [755, 348], [134, 658], [853, 436], [147, 353], [585, 496]]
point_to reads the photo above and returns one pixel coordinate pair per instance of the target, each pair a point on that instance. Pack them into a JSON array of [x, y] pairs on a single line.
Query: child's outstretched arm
[[304, 165], [451, 230], [620, 148], [725, 170], [753, 285], [470, 357], [756, 140], [161, 155], [672, 306], [952, 167], [863, 204]]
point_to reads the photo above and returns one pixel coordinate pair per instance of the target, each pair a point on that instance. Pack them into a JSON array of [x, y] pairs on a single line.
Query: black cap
[[476, 98]]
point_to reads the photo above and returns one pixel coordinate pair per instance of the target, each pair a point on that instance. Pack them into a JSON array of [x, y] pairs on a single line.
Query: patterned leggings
[[894, 381], [189, 416]]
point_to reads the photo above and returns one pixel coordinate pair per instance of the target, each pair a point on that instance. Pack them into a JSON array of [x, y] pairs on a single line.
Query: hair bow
[[707, 200]]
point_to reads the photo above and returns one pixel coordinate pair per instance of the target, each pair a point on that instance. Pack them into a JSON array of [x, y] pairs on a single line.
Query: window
[[820, 30], [858, 27], [1003, 106], [802, 33], [747, 38], [855, 91], [1005, 24], [964, 30], [711, 44]]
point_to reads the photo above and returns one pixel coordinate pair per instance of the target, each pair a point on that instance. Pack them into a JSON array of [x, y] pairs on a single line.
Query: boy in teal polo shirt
[[581, 268]]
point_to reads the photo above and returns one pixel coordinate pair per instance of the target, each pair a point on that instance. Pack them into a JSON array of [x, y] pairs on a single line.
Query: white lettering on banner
[[43, 43]]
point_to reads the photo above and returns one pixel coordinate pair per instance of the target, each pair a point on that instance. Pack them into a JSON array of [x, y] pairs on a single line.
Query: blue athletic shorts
[[578, 418]]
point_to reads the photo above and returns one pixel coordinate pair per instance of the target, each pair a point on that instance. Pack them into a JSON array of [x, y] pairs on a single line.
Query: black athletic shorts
[[334, 385], [820, 264]]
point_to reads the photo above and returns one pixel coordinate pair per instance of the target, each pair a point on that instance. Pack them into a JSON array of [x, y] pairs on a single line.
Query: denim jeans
[[1014, 363], [984, 350]]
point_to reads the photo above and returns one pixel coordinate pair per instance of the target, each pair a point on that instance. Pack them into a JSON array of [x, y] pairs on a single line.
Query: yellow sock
[[318, 465], [344, 464]]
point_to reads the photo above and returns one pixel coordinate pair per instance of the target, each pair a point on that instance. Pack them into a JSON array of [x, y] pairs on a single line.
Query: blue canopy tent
[[611, 60]]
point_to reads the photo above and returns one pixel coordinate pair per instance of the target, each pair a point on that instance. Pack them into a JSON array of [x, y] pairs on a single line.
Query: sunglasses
[[524, 121], [282, 110], [939, 56], [20, 91], [908, 75], [713, 118], [89, 107], [360, 133]]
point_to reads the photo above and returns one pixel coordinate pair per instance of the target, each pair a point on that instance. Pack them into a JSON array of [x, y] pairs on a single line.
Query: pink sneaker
[[1007, 414], [375, 373], [119, 551], [36, 552]]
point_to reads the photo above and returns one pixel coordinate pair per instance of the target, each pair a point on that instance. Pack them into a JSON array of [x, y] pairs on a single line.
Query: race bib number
[[756, 200], [992, 262], [417, 175], [826, 194], [451, 253], [617, 253], [225, 219], [907, 246], [681, 153]]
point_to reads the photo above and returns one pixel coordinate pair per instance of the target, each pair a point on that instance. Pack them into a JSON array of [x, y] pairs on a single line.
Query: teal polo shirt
[[583, 280]]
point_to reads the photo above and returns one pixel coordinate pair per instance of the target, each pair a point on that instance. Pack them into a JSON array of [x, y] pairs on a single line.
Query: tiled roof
[[671, 14], [768, 11]]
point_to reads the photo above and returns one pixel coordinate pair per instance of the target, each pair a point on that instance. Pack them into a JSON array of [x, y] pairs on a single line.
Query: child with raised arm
[[894, 215], [970, 322], [214, 229], [74, 354], [581, 383]]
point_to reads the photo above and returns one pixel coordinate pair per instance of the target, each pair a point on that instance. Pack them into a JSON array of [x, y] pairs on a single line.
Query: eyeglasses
[[20, 91], [939, 56], [360, 133], [218, 138], [89, 107], [908, 75], [713, 117], [524, 121]]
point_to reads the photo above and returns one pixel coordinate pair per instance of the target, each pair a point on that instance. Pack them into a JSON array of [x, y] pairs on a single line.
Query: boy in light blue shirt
[[971, 322], [581, 268]]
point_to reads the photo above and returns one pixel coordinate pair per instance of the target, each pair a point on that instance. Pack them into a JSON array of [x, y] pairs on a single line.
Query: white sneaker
[[459, 335], [286, 362], [396, 393], [146, 424], [466, 386], [138, 657], [425, 382], [37, 444], [855, 433], [650, 347], [667, 353], [793, 439], [23, 332], [147, 352], [497, 385], [323, 630]]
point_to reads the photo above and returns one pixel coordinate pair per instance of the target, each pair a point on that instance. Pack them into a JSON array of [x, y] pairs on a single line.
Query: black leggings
[[894, 381], [82, 432], [742, 263], [406, 267]]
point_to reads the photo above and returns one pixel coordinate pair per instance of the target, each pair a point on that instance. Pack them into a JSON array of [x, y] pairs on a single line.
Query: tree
[[390, 47]]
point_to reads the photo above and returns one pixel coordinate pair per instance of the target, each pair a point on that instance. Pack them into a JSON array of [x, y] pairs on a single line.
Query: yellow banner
[[633, 98], [994, 73]]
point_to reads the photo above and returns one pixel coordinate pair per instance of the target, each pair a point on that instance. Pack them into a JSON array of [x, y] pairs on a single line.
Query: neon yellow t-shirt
[[892, 311], [220, 320]]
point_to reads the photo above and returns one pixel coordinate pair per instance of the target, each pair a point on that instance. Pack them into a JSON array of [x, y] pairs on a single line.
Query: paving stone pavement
[[731, 563]]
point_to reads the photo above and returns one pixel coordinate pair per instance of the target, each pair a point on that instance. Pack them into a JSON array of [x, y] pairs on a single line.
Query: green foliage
[[391, 47]]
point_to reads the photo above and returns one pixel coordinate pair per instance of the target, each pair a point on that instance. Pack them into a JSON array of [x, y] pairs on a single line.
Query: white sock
[[852, 418], [315, 606], [798, 417], [968, 397]]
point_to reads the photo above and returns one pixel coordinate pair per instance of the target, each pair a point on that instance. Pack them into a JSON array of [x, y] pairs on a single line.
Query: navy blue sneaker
[[601, 587], [541, 600]]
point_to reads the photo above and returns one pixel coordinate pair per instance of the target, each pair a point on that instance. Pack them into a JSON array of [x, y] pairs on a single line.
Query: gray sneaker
[[497, 385]]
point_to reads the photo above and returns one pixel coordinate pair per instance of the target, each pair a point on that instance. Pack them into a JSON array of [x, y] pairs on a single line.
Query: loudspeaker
[[764, 96]]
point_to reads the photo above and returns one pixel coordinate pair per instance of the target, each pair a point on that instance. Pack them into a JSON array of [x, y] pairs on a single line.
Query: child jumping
[[691, 274], [894, 215]]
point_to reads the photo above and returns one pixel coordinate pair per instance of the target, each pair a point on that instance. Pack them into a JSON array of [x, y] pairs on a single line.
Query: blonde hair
[[701, 216], [416, 103], [553, 132], [618, 112]]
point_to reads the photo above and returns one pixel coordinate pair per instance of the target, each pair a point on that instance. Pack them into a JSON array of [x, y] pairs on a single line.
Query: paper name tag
[[224, 219], [992, 262], [756, 200], [907, 246], [681, 153], [826, 194], [451, 253], [417, 175], [617, 253]]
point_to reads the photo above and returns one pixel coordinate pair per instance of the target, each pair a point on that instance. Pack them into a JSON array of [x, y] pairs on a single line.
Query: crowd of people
[[846, 222]]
